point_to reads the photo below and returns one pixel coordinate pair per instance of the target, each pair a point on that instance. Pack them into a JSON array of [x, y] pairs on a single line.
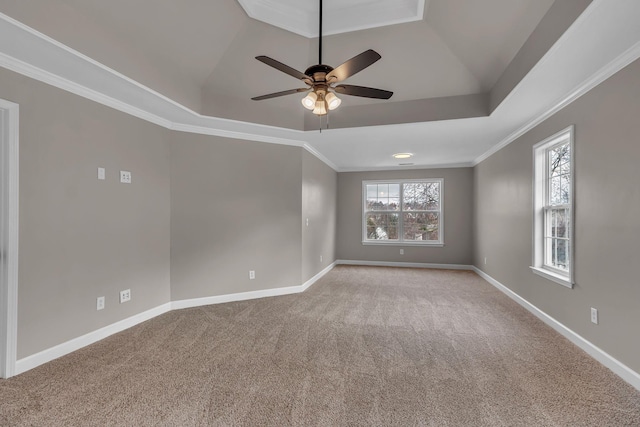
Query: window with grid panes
[[553, 216], [406, 212]]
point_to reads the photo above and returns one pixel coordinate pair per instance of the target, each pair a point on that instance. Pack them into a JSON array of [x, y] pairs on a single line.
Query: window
[[406, 212], [553, 208]]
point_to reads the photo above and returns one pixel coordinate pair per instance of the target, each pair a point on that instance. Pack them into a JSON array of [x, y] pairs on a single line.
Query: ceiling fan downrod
[[321, 79], [320, 34]]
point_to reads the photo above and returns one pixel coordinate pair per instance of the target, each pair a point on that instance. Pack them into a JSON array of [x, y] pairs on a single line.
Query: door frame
[[9, 200]]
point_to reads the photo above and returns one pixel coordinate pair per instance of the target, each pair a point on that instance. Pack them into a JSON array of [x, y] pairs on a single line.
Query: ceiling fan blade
[[353, 66], [365, 92], [284, 68], [277, 94]]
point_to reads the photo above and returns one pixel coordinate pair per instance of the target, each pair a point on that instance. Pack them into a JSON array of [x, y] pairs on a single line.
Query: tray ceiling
[[190, 66], [339, 16]]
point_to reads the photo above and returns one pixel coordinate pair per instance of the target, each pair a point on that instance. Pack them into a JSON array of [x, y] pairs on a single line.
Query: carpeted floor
[[363, 346]]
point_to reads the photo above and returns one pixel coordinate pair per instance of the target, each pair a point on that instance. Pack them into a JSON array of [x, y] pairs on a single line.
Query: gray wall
[[201, 212], [458, 214], [319, 196], [607, 233], [235, 207], [81, 238]]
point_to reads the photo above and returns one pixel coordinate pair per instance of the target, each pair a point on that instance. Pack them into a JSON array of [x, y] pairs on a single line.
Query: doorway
[[8, 236]]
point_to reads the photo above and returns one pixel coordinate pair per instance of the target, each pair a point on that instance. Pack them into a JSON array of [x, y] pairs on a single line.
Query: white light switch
[[102, 175], [125, 177]]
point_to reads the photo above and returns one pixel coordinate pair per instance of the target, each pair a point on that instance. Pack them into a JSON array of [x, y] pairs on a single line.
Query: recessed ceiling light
[[402, 155]]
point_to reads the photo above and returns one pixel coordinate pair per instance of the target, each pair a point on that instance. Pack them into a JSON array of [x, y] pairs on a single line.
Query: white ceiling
[[191, 68], [339, 16]]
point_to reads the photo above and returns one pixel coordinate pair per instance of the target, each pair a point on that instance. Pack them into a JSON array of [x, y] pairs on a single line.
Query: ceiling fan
[[321, 80]]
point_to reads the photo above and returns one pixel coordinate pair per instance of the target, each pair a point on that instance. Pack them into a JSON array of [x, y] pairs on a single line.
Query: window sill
[[394, 243], [554, 277]]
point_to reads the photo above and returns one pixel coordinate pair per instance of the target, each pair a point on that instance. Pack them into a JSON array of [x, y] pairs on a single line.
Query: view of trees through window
[[403, 211], [558, 216], [553, 198]]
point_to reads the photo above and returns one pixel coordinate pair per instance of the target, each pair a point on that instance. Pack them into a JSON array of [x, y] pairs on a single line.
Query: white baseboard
[[242, 296], [619, 368], [306, 285], [70, 346], [60, 350], [404, 264]]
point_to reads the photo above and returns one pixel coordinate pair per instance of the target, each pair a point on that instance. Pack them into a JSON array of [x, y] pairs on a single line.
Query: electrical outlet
[[307, 222], [100, 303], [594, 315], [320, 258], [485, 260], [252, 274], [401, 251], [125, 295], [125, 177], [102, 174]]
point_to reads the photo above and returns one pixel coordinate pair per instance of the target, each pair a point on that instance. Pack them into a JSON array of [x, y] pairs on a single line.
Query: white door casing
[[9, 163]]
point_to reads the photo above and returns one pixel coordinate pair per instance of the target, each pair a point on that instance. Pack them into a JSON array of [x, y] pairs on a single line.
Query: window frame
[[542, 208], [400, 212]]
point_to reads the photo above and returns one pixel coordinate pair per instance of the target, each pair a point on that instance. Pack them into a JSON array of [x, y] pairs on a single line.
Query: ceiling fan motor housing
[[318, 72]]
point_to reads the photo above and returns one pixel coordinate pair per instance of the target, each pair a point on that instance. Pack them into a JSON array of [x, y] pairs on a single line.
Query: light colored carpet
[[363, 346]]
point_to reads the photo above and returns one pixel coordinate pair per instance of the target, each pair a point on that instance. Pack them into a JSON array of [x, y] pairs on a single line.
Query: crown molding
[[603, 40], [28, 52], [607, 71], [141, 101], [28, 70], [326, 161], [227, 133]]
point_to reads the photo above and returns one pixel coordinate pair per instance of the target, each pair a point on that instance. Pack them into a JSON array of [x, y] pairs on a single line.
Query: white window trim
[[540, 160], [400, 242]]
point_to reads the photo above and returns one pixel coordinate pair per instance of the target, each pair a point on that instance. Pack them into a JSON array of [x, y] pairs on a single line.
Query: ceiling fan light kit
[[332, 101], [309, 101], [320, 79], [321, 106]]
